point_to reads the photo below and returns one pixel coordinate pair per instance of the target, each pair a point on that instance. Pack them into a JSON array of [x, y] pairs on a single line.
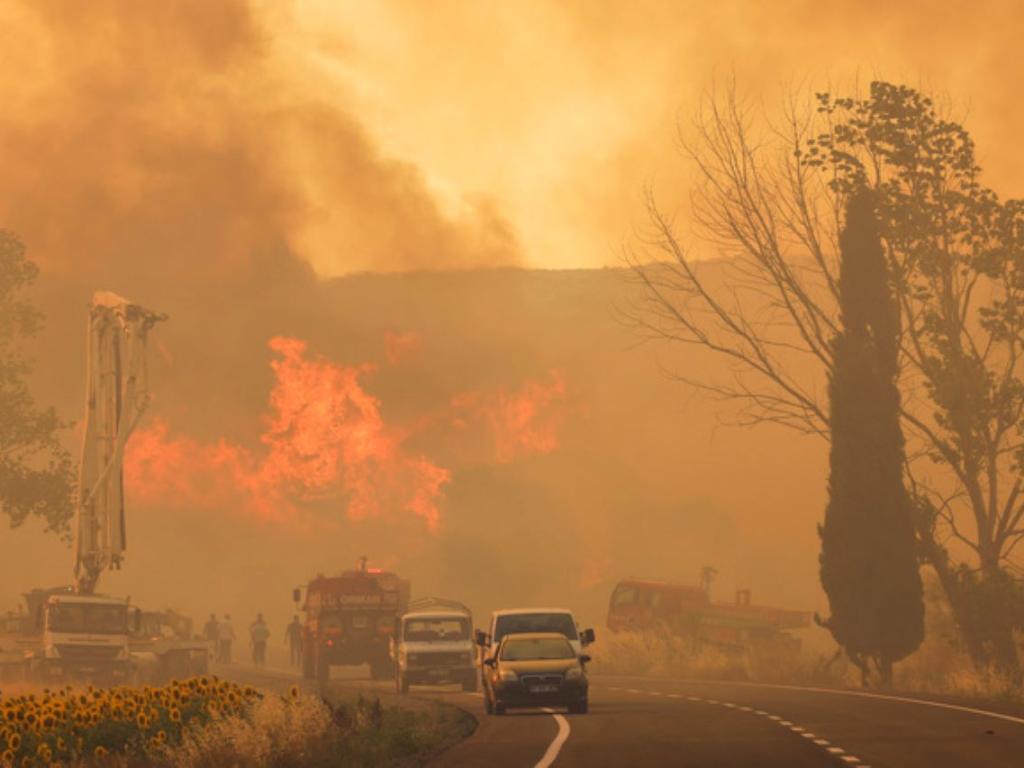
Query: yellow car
[[536, 669]]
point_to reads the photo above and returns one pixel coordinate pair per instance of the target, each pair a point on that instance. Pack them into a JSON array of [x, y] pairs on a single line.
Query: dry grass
[[938, 667], [306, 731], [662, 654]]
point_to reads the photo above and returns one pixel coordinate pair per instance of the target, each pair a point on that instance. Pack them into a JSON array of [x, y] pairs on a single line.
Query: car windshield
[[85, 617], [536, 648], [519, 623], [446, 628]]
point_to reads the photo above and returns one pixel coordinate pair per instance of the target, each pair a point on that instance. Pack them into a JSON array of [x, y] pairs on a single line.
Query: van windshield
[[536, 648], [518, 623], [440, 628]]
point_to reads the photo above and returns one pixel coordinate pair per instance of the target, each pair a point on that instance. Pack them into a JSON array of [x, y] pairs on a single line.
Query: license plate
[[543, 688]]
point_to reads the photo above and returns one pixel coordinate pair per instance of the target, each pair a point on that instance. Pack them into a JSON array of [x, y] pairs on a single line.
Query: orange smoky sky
[[397, 135], [249, 167]]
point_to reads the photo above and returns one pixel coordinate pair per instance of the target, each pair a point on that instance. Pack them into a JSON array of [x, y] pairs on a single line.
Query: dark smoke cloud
[[155, 143]]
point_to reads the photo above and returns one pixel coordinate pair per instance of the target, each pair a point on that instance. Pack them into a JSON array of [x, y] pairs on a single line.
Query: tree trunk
[[885, 673], [936, 556]]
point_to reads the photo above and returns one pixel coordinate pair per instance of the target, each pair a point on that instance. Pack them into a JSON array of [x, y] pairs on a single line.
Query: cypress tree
[[868, 559]]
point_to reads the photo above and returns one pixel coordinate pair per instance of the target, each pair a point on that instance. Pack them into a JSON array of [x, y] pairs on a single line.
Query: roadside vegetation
[[206, 722], [941, 666]]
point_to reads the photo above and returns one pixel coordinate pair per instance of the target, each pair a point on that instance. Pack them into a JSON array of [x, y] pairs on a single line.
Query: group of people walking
[[220, 634]]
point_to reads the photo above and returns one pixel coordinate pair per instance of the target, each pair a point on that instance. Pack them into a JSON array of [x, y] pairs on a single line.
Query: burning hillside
[[326, 444]]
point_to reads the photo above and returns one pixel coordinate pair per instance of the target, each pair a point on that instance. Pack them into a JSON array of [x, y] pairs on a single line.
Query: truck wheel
[[381, 669], [580, 707]]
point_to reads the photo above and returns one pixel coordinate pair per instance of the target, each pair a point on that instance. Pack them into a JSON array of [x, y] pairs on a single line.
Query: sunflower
[[175, 715], [100, 751]]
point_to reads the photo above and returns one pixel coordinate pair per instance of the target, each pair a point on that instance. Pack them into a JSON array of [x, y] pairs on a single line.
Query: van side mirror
[[584, 658], [481, 638], [296, 594], [586, 637]]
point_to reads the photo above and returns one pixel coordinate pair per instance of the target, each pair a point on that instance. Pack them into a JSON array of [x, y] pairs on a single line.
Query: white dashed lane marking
[[825, 744]]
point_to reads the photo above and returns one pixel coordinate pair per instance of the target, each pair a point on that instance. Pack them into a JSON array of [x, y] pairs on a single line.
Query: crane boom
[[117, 394]]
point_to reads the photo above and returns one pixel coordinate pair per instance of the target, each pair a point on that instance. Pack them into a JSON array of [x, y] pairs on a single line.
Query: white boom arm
[[116, 397]]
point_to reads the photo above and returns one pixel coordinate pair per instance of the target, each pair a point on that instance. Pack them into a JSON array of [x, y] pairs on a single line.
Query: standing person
[[210, 634], [293, 634], [225, 636], [259, 632]]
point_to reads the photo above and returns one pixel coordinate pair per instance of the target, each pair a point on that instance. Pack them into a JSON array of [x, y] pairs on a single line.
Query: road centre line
[[556, 745], [825, 744], [878, 696]]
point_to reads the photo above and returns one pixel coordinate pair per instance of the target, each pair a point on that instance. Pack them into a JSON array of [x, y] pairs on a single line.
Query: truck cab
[[82, 637], [433, 645], [164, 647], [350, 620]]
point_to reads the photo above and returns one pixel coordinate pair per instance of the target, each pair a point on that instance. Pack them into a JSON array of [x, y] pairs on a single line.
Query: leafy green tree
[[36, 474], [869, 565]]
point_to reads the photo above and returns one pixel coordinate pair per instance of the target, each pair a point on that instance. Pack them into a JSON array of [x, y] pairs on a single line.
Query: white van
[[518, 620]]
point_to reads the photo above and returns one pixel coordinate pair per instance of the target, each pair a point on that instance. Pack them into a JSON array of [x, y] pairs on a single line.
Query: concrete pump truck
[[78, 633]]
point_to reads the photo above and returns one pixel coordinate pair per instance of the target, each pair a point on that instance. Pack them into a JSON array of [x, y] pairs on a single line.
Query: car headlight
[[508, 676], [574, 673]]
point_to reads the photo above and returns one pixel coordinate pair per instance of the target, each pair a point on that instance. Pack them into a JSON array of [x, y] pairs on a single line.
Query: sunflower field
[[71, 726]]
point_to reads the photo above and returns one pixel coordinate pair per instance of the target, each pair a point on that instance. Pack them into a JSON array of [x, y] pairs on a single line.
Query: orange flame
[[326, 441], [325, 437], [398, 345], [525, 422]]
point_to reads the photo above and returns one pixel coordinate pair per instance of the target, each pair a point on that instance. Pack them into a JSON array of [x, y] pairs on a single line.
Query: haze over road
[[646, 722]]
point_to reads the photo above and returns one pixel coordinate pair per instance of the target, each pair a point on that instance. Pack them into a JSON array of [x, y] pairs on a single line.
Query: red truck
[[651, 604], [350, 620]]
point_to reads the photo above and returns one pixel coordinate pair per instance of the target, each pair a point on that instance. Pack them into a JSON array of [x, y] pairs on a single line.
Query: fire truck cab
[[350, 620]]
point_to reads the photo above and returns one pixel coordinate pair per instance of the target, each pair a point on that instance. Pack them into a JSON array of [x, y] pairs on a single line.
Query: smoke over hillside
[[494, 434], [570, 460]]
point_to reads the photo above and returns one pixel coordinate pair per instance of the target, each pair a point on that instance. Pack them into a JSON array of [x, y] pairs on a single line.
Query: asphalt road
[[643, 722]]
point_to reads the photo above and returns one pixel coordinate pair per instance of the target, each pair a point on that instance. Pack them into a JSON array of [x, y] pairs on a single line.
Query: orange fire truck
[[686, 610], [350, 619]]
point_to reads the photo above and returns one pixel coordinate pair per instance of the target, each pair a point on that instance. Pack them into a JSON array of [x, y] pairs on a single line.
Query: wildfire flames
[[524, 422], [326, 441]]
